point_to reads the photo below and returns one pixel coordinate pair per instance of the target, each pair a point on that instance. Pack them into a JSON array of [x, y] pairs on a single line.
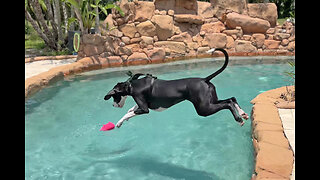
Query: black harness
[[136, 76]]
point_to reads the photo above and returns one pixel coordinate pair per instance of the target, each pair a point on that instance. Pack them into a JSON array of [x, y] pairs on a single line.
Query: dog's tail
[[207, 79]]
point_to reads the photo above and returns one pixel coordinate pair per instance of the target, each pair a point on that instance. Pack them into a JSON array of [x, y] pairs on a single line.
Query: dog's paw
[[245, 116], [241, 123], [119, 124]]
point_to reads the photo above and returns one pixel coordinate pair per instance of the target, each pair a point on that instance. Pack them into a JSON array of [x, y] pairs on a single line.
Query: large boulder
[[146, 29], [157, 54], [271, 44], [220, 6], [205, 9], [175, 47], [258, 39], [107, 24], [179, 6], [244, 46], [247, 23], [91, 50], [144, 10], [291, 46], [188, 18], [185, 36], [164, 26], [186, 7], [164, 4], [266, 11], [137, 56], [127, 7], [128, 30], [215, 27], [145, 41], [215, 40]]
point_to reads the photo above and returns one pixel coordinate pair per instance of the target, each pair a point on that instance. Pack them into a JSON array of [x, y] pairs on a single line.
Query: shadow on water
[[151, 165]]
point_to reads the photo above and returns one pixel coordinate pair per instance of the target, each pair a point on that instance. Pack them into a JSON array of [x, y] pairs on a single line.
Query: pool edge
[[37, 82], [274, 157]]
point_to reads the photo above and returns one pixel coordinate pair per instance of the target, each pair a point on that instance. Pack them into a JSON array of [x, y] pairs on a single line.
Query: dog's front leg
[[135, 107], [140, 108], [127, 116]]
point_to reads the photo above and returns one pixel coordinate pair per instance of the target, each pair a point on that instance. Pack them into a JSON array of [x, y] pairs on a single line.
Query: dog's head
[[119, 94]]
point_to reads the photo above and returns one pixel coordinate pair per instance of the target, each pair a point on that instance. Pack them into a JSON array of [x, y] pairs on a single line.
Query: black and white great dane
[[156, 94]]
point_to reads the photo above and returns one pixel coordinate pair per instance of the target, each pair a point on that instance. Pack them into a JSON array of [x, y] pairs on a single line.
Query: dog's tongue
[[107, 127]]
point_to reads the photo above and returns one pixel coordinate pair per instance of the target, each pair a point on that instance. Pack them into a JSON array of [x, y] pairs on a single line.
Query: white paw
[[119, 123], [245, 116]]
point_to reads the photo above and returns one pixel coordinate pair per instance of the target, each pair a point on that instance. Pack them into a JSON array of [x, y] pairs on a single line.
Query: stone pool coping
[[274, 157], [37, 82]]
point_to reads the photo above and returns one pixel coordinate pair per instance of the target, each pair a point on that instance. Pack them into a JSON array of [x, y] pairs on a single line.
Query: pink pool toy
[[107, 127]]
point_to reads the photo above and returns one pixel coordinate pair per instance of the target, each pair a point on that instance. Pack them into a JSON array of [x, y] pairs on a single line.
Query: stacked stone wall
[[163, 29]]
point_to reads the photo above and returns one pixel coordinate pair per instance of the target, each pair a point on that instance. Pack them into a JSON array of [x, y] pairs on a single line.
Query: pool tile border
[[274, 157]]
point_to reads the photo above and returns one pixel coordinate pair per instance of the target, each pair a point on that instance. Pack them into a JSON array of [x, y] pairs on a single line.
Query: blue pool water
[[63, 141]]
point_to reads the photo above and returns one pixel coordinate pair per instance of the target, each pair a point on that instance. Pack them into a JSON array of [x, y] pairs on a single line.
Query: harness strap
[[152, 81]]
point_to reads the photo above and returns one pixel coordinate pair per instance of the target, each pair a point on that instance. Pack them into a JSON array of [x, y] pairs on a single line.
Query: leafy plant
[[290, 94], [291, 74], [86, 12]]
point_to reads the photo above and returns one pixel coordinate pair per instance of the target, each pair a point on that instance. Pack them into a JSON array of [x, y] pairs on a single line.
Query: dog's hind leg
[[206, 109], [237, 106]]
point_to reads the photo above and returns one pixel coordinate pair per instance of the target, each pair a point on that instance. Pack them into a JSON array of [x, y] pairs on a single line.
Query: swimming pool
[[63, 141]]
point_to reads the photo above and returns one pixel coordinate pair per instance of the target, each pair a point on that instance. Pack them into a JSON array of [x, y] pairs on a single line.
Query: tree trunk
[[65, 17], [57, 20], [97, 23], [56, 11], [38, 13], [36, 27], [72, 16], [77, 12], [51, 18]]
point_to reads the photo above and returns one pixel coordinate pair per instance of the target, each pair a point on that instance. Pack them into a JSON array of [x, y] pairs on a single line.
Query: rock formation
[[177, 28]]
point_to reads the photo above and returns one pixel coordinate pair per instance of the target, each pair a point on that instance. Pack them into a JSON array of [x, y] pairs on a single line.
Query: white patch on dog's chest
[[160, 109]]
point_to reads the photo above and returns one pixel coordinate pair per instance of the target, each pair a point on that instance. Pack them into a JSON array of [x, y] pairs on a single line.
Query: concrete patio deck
[[288, 122], [37, 67]]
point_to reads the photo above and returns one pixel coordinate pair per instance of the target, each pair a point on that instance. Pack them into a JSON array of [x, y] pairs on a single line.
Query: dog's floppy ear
[[110, 93]]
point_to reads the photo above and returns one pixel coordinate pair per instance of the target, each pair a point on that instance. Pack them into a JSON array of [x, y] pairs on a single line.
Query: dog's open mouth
[[119, 103]]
